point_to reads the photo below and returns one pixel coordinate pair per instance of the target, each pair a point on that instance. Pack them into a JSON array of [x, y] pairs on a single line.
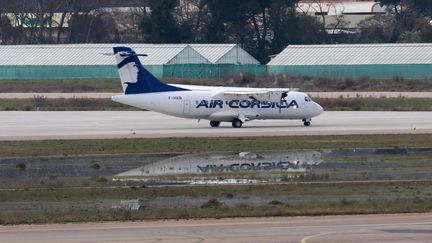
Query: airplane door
[[186, 106]]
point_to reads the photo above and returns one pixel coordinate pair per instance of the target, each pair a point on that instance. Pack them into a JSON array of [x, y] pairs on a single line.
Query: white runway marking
[[20, 125]]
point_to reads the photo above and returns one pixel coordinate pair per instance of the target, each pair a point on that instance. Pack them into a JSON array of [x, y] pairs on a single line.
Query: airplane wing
[[265, 94], [244, 92]]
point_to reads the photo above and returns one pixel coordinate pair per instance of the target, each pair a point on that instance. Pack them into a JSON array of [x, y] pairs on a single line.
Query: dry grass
[[376, 104], [215, 193], [164, 145], [305, 83], [312, 84], [40, 103], [404, 197], [60, 85], [309, 208]]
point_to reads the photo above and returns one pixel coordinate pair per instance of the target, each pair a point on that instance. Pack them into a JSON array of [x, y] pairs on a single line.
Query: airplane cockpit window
[[308, 99]]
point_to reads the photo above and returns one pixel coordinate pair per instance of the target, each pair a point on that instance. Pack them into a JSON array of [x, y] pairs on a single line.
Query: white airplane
[[217, 104]]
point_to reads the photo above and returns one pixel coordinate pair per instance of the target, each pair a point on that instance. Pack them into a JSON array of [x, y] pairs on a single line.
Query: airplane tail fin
[[134, 77]]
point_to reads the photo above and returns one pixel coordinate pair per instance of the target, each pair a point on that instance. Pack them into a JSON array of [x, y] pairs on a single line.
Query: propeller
[[282, 99]]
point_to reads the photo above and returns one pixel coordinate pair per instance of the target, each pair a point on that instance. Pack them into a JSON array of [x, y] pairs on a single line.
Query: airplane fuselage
[[201, 102]]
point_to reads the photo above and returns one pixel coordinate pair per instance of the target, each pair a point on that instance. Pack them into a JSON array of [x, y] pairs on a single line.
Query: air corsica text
[[245, 104]]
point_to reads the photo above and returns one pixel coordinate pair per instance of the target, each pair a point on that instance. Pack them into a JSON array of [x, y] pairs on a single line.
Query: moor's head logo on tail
[[134, 77]]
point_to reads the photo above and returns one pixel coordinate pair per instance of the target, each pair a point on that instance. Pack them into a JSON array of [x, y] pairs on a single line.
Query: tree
[[378, 29], [406, 21], [258, 25], [6, 30], [161, 26], [423, 29], [96, 26], [420, 7], [192, 14], [64, 14], [307, 29], [222, 16], [4, 24]]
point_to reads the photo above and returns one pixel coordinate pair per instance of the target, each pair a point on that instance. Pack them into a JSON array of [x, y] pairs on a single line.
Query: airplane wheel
[[214, 123], [307, 123], [236, 123]]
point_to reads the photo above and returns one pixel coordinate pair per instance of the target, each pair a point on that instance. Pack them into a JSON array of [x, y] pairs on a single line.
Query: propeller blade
[[282, 99]]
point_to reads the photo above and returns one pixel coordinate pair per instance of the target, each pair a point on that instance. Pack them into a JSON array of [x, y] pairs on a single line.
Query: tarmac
[[24, 125], [394, 228]]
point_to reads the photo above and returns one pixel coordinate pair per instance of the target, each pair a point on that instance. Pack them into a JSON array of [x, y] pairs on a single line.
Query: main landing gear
[[236, 123], [214, 123]]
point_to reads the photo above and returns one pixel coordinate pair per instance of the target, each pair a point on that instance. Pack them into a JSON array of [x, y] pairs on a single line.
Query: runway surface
[[354, 228], [21, 125]]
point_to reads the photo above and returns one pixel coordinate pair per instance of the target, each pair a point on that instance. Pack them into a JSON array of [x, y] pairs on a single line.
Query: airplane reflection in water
[[208, 163]]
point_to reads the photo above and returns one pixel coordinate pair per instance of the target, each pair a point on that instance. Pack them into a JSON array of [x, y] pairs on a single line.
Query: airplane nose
[[320, 109]]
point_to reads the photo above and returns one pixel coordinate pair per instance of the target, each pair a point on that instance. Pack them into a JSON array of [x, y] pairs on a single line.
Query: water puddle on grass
[[286, 166], [226, 168]]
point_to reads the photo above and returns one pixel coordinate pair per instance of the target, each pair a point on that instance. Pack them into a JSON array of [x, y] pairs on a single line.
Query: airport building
[[92, 61], [218, 61], [373, 60], [341, 16]]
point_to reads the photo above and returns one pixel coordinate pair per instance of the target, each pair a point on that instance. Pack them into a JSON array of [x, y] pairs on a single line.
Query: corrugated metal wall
[[381, 71], [220, 71], [219, 61], [66, 72], [87, 61], [355, 60], [237, 56], [211, 70], [354, 54], [105, 71], [187, 55]]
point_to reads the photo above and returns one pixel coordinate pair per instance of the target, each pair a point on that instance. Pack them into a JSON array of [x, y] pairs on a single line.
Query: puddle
[[284, 166], [244, 162]]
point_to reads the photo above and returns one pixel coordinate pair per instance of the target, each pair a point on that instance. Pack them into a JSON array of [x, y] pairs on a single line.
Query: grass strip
[[271, 209], [376, 104], [393, 188], [305, 83], [163, 145], [74, 104], [60, 85]]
